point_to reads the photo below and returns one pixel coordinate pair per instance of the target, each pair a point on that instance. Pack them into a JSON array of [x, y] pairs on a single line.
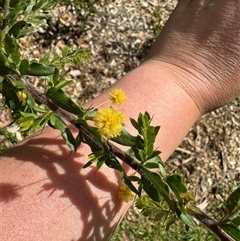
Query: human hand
[[201, 41]]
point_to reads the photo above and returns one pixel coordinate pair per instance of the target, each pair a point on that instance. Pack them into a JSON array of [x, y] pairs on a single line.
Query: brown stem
[[210, 224], [73, 120]]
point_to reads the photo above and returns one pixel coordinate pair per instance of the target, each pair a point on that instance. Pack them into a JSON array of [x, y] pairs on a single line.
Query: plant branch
[[210, 224], [42, 98]]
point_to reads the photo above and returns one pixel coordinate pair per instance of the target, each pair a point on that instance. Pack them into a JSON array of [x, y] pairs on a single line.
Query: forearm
[[50, 197]]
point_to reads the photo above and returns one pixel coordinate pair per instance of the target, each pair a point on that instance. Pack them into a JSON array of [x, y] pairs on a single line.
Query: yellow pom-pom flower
[[125, 193], [21, 95], [109, 122], [117, 96]]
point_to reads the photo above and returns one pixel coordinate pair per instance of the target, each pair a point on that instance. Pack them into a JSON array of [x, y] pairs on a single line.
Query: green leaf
[[9, 92], [25, 32], [26, 122], [43, 15], [128, 181], [233, 200], [160, 186], [233, 231], [151, 190], [14, 3], [92, 138], [17, 27], [41, 121], [157, 181], [63, 84], [4, 70], [45, 58], [29, 7], [175, 182], [37, 69], [138, 154], [10, 44], [89, 163], [187, 219], [125, 139], [65, 51], [135, 124], [56, 123], [156, 162], [55, 75], [236, 221], [170, 221], [24, 67], [59, 98]]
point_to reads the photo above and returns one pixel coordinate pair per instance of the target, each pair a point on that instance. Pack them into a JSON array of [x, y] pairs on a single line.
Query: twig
[[210, 224], [41, 97]]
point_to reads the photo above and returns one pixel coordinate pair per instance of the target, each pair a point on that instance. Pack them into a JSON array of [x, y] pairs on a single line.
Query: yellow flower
[[21, 95], [117, 96], [109, 122], [125, 193]]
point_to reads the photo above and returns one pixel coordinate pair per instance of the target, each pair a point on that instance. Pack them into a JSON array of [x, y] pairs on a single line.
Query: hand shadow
[[64, 174]]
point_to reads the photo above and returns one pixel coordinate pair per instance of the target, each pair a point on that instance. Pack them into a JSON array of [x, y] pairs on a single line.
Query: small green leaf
[[151, 191], [9, 92], [56, 123], [37, 69], [170, 221], [187, 219], [25, 32], [45, 58], [26, 122], [24, 67], [128, 182], [92, 138], [59, 98], [236, 221], [157, 181], [63, 84], [135, 124], [65, 51], [125, 139], [89, 163], [177, 185], [233, 231], [233, 200], [41, 121], [156, 162], [10, 44], [100, 163], [55, 76], [29, 7], [14, 3], [17, 27], [43, 15], [4, 70]]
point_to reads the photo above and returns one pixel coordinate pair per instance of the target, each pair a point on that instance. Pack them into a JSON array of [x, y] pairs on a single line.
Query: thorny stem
[[198, 215]]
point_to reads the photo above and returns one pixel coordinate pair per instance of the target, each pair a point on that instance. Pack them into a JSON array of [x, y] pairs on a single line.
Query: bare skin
[[46, 195]]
